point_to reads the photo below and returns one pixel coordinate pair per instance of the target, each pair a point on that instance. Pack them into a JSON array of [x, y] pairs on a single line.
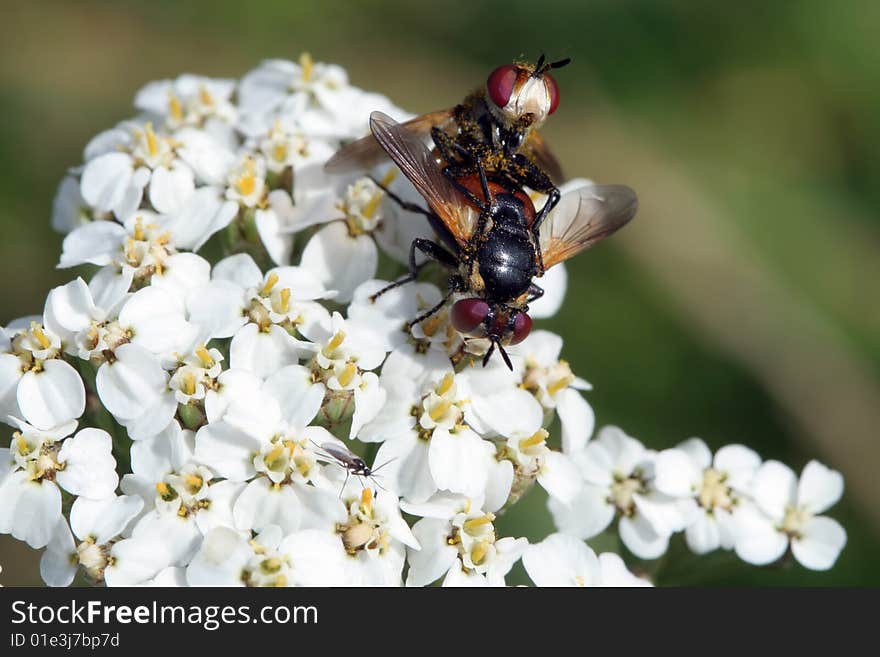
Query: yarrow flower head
[[220, 399]]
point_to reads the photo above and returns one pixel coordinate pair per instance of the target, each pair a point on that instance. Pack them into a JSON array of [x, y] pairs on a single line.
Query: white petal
[[774, 488], [109, 286], [181, 274], [665, 513], [53, 396], [90, 469], [168, 451], [624, 452], [158, 541], [369, 398], [640, 537], [499, 484], [239, 269], [321, 509], [227, 449], [588, 514], [460, 462], [204, 212], [10, 375], [554, 283], [58, 564], [303, 283], [29, 510], [218, 308], [96, 243], [108, 141], [740, 463], [819, 488], [171, 188], [408, 467], [209, 159], [561, 560], [222, 495], [340, 261], [677, 473], [261, 505], [757, 542], [134, 380], [317, 557], [703, 534], [233, 385], [263, 353], [493, 413], [458, 578], [699, 452], [560, 477], [67, 206], [69, 309], [822, 541], [616, 574], [435, 557], [220, 559], [577, 418], [154, 419], [103, 519], [278, 244], [106, 180], [299, 397], [157, 319]]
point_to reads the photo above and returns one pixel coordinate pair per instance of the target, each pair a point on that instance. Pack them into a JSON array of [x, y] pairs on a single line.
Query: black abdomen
[[507, 265]]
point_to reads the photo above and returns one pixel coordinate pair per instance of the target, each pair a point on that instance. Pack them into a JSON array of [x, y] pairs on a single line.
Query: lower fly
[[351, 462]]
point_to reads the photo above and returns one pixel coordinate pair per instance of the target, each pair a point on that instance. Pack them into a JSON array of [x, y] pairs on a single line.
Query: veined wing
[[366, 153], [417, 163], [583, 217]]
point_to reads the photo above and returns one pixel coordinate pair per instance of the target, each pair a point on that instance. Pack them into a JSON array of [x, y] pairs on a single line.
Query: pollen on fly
[[351, 463]]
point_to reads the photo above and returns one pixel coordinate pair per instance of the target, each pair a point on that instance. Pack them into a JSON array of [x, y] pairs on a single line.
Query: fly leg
[[531, 176], [406, 205], [535, 292], [448, 147], [456, 284], [431, 249], [425, 315]]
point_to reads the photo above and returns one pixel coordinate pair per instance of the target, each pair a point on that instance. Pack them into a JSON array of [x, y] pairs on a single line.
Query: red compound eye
[[522, 326], [553, 90], [468, 314], [500, 84]]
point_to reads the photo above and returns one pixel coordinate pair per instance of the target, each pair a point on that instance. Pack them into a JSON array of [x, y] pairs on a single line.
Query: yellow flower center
[[347, 374], [205, 356], [308, 66], [538, 438]]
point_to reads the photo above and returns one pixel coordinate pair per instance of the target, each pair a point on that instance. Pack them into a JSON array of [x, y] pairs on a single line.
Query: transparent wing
[[367, 153], [338, 452], [539, 151], [583, 217], [417, 163]]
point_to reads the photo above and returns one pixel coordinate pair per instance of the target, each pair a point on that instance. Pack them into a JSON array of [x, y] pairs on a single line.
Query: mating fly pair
[[489, 234]]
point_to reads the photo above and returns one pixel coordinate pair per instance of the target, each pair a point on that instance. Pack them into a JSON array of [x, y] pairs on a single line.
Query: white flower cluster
[[222, 391]]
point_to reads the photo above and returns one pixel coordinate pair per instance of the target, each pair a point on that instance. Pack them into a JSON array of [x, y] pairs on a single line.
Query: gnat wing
[[583, 217], [366, 153], [338, 452], [417, 163]]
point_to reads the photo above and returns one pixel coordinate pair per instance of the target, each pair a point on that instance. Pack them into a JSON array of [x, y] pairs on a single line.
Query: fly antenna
[[489, 353], [376, 469], [539, 66], [505, 357]]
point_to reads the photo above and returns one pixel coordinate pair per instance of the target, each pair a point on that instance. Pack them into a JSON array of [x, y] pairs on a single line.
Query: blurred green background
[[740, 306]]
